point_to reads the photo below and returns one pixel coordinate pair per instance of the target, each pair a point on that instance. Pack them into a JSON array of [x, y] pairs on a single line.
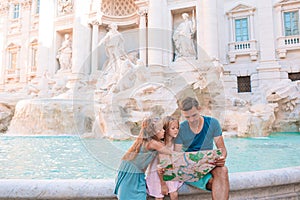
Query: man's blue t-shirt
[[201, 141]]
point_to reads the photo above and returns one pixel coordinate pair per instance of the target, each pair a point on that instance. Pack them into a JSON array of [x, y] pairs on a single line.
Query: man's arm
[[219, 141]]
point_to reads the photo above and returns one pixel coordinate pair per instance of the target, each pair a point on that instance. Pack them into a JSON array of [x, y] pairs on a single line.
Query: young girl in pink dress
[[156, 187]]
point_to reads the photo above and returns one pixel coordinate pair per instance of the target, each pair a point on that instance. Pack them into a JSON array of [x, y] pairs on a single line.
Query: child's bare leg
[[174, 195]]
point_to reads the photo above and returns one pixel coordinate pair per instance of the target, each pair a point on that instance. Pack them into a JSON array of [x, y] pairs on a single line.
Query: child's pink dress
[[153, 182]]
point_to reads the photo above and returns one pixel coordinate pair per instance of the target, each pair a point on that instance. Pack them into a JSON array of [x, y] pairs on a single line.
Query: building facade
[[256, 41]]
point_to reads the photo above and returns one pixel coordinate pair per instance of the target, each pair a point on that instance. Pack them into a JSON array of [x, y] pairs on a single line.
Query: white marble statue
[[65, 6], [64, 55], [41, 87], [114, 47], [183, 37]]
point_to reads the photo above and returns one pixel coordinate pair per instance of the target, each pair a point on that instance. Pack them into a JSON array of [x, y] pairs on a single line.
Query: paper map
[[188, 166]]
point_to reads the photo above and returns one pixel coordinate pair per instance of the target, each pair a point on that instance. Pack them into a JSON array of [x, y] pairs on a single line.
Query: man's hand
[[220, 162]]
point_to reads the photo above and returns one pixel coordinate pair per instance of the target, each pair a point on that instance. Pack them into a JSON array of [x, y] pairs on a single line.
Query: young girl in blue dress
[[130, 182]]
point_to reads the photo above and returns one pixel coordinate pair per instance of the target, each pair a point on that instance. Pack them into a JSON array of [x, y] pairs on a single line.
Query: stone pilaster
[[4, 9], [268, 69], [46, 54], [143, 13], [24, 53], [155, 32], [95, 39], [266, 37], [207, 30], [81, 39]]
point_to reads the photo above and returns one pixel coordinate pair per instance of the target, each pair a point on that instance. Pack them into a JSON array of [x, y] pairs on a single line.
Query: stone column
[[24, 53], [81, 39], [155, 32], [3, 36], [95, 40], [46, 54], [209, 39], [94, 23], [143, 12]]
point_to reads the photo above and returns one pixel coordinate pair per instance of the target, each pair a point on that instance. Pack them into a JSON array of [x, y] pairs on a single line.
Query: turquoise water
[[70, 157]]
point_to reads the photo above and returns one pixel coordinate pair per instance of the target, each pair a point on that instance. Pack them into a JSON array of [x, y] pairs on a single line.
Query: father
[[199, 132]]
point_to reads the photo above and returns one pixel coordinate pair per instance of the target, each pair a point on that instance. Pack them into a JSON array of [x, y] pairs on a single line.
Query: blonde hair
[[148, 131]]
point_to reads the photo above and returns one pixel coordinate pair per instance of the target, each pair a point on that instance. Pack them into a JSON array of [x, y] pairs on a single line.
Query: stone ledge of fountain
[[269, 184]]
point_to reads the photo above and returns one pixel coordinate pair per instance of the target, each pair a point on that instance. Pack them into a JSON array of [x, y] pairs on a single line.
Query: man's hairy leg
[[219, 184]]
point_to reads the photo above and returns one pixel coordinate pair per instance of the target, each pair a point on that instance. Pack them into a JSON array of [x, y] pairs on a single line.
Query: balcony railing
[[243, 48], [286, 43]]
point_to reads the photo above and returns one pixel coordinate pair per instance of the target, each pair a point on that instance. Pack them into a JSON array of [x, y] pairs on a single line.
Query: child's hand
[[160, 171], [164, 188]]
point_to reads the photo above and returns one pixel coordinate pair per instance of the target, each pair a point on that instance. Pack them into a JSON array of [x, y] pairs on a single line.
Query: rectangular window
[[291, 23], [244, 84], [241, 30], [16, 13], [37, 6], [12, 60], [294, 76], [33, 57]]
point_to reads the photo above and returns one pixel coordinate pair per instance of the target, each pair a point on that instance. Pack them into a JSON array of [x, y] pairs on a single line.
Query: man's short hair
[[188, 103]]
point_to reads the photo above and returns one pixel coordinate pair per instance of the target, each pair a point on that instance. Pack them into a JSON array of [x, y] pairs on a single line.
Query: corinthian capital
[[4, 8], [26, 4]]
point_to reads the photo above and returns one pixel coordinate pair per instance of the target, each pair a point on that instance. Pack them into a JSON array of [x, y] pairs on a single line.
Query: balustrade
[[243, 48], [287, 43]]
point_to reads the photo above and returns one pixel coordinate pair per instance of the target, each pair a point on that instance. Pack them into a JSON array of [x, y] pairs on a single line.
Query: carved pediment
[[13, 46], [241, 8], [33, 41], [284, 2]]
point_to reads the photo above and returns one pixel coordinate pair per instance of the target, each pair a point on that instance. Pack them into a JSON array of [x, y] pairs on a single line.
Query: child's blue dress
[[130, 182]]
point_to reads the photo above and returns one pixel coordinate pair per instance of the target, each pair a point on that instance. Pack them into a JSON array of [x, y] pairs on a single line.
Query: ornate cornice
[[121, 20]]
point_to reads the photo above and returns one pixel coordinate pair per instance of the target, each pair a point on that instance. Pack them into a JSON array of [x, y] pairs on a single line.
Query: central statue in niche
[[64, 55], [114, 48], [183, 37], [118, 62]]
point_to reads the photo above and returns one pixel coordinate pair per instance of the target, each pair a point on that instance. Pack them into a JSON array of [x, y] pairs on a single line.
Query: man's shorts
[[201, 184]]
